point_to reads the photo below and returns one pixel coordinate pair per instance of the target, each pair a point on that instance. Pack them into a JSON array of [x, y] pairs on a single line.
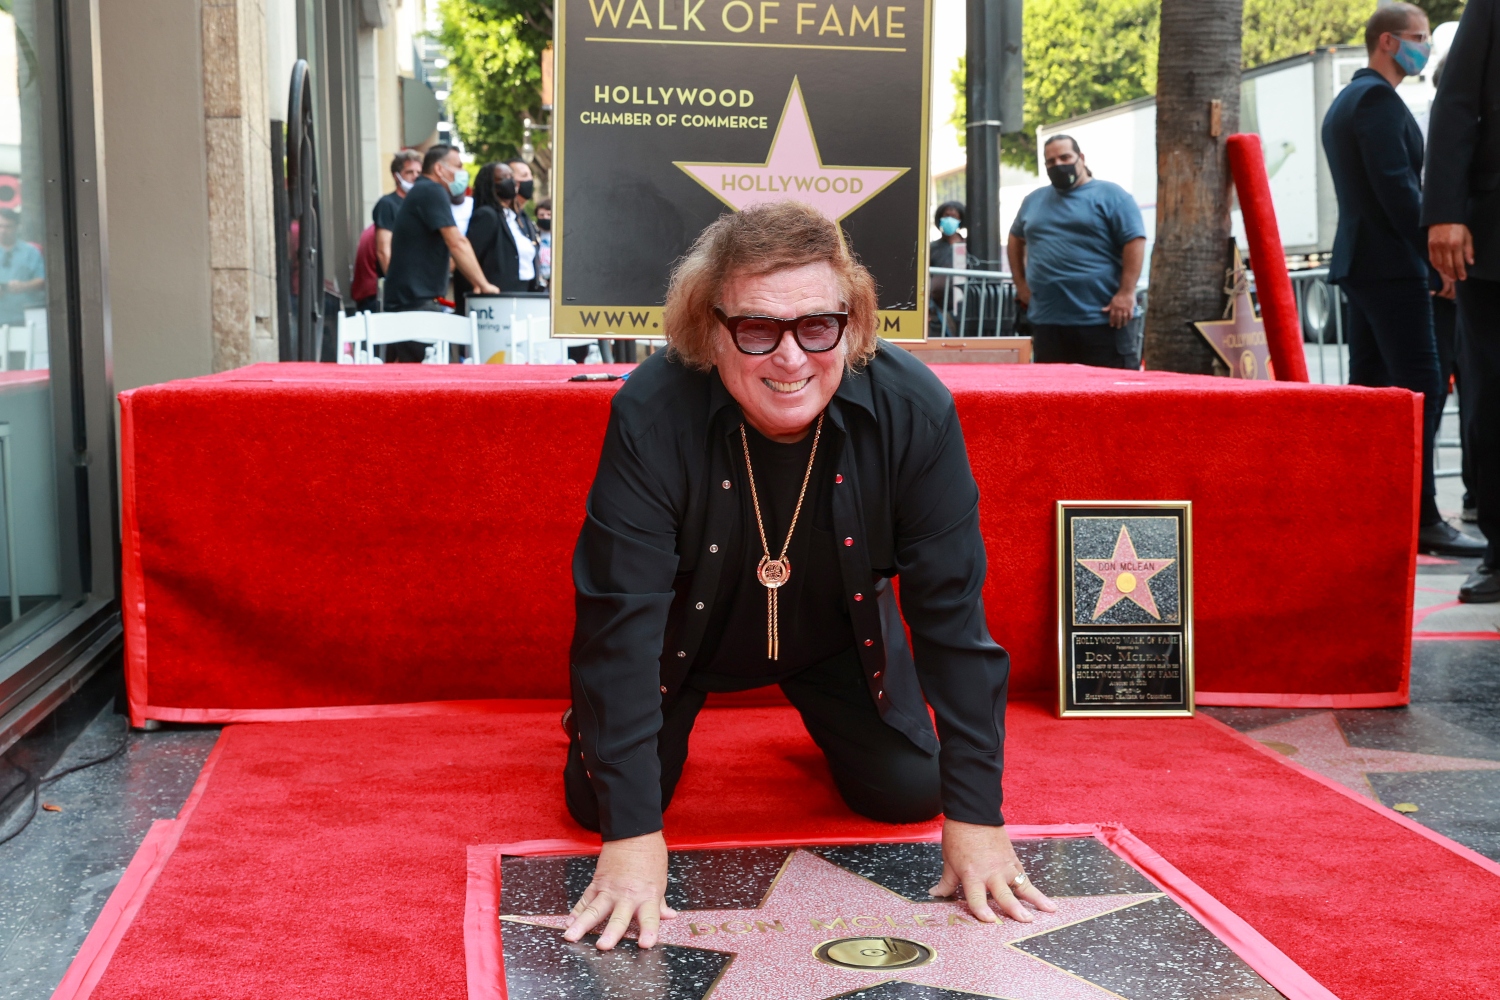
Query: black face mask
[[525, 189], [506, 189], [1063, 175], [544, 223]]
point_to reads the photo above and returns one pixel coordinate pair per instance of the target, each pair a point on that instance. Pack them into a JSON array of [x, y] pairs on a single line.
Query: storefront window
[[31, 588]]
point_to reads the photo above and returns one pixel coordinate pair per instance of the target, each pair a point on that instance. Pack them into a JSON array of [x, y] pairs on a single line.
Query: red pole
[[1273, 286]]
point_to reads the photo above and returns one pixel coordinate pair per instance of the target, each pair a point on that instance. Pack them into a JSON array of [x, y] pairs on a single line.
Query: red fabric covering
[[328, 859], [1273, 286], [303, 536]]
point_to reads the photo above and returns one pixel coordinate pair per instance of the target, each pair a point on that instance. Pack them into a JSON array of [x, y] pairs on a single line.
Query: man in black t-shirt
[[406, 167], [425, 236]]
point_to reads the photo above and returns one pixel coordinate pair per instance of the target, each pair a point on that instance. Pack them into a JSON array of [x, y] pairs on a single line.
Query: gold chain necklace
[[774, 573]]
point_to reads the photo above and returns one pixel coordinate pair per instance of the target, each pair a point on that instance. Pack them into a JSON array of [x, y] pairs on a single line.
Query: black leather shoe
[[1482, 587], [1443, 539]]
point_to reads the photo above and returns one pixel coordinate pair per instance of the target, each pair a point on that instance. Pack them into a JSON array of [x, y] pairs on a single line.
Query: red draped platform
[[307, 541]]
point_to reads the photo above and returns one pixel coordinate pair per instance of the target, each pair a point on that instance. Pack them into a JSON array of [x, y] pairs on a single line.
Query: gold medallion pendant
[[774, 573]]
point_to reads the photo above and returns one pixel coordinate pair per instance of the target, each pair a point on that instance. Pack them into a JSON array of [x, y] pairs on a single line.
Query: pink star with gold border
[[813, 902], [1125, 576]]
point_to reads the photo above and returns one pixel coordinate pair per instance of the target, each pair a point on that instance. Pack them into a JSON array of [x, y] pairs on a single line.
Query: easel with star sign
[[1239, 339], [1125, 607]]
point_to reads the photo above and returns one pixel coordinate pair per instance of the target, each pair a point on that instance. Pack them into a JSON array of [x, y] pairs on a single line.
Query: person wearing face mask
[[406, 167], [1076, 250], [1374, 151], [544, 241], [423, 241], [948, 250], [506, 256], [761, 483], [1461, 208], [525, 190]]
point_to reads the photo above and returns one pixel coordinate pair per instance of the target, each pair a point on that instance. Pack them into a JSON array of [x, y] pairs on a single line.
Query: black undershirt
[[814, 615]]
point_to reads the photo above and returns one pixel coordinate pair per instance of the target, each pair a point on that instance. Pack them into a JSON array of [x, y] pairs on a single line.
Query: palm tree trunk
[[1197, 107]]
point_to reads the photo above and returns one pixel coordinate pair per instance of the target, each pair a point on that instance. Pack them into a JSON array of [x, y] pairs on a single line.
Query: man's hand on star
[[630, 882], [980, 858]]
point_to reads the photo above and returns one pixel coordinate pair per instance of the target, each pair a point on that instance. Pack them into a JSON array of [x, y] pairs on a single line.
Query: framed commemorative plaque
[[1125, 607], [670, 113]]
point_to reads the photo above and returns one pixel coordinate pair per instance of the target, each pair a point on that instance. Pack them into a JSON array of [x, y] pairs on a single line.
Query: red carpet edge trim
[[1467, 853], [132, 578], [502, 706], [88, 966], [485, 960], [1455, 636], [408, 710], [1255, 699]]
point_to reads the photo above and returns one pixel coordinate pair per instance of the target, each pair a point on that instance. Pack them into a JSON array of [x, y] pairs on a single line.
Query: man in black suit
[[1374, 150], [1461, 208]]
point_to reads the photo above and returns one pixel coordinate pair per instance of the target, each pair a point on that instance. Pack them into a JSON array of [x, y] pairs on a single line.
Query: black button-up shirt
[[649, 557]]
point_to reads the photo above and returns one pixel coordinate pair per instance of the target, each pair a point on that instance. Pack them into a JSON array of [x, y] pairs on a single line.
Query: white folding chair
[[352, 348], [441, 330]]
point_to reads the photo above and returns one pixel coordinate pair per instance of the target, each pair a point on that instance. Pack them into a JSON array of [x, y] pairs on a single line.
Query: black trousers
[[1103, 346], [879, 772], [1479, 354], [1391, 343], [1445, 325]]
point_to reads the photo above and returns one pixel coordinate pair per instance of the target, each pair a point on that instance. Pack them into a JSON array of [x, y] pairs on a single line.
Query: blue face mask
[[948, 225], [1413, 56], [459, 184]]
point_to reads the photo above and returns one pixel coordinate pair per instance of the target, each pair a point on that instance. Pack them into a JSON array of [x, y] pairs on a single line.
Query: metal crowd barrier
[[973, 304], [1321, 306]]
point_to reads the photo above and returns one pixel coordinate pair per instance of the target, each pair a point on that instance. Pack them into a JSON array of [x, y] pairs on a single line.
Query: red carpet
[[327, 859], [306, 536]]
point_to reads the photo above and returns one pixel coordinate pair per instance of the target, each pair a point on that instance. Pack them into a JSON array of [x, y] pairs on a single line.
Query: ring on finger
[[1018, 881]]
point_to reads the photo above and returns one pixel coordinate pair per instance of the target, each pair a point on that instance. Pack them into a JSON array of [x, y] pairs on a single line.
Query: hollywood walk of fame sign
[[855, 922], [670, 112], [1125, 616], [1240, 340]]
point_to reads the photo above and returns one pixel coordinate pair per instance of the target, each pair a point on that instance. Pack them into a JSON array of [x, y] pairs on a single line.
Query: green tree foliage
[[1082, 55], [1440, 11], [494, 52], [1275, 29]]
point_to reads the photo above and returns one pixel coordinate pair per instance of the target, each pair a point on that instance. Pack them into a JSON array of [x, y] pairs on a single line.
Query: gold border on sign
[[922, 169], [1185, 603]]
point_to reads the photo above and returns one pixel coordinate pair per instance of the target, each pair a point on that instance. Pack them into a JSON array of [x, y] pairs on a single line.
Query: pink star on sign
[[814, 901], [1125, 575], [793, 171]]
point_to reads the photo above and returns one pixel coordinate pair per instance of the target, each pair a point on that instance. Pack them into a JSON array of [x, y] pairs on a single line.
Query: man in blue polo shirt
[[23, 276], [1076, 250]]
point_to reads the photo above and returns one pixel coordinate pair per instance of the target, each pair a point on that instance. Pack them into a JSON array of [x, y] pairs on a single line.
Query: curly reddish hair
[[763, 240]]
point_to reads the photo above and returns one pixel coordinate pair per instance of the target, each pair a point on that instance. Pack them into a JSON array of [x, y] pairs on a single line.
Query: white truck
[[1284, 102]]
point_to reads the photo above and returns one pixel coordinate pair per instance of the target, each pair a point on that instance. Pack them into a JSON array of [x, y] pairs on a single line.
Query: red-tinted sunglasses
[[815, 333]]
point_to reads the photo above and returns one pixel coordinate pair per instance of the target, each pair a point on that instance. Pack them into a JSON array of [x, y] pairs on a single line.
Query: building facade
[[139, 144]]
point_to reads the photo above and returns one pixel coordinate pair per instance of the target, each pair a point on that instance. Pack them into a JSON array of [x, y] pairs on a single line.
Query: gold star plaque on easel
[[1125, 607], [1240, 339]]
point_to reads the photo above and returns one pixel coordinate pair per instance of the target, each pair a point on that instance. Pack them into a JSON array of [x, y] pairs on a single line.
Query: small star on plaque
[[1240, 339]]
